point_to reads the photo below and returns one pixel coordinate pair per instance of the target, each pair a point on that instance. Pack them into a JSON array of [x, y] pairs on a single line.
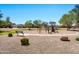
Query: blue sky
[[19, 13]]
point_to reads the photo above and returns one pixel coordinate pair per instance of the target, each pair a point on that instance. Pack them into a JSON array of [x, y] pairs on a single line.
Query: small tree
[[8, 23], [38, 24], [28, 24]]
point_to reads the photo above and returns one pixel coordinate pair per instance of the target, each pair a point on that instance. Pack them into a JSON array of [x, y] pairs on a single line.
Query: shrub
[[24, 41], [77, 39], [10, 35], [64, 39]]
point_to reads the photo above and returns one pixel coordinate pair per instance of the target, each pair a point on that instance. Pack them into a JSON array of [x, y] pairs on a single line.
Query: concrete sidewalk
[[54, 34]]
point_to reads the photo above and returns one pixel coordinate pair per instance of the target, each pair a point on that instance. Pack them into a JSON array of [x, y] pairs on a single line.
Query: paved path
[[54, 34]]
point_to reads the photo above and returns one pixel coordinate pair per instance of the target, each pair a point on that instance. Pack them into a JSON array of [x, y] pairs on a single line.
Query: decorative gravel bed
[[38, 45]]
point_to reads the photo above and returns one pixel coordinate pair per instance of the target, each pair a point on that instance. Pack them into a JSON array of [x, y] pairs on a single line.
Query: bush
[[24, 41], [10, 35], [64, 39], [77, 39]]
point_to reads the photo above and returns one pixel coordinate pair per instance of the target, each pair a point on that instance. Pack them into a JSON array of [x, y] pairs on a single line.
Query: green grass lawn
[[7, 32], [13, 31]]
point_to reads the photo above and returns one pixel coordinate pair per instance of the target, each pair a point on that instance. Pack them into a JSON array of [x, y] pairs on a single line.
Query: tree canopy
[[28, 24], [72, 17], [37, 23], [6, 22]]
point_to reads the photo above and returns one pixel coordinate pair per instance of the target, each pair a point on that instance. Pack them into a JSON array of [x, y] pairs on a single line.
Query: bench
[[20, 32]]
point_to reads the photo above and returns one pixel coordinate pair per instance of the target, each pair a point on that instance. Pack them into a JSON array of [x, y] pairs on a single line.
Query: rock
[[64, 39]]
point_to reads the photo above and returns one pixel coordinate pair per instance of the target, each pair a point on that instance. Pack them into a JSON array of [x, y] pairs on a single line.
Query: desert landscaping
[[40, 43]]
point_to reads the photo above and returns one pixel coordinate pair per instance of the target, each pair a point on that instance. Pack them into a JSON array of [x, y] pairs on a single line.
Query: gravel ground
[[38, 45]]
